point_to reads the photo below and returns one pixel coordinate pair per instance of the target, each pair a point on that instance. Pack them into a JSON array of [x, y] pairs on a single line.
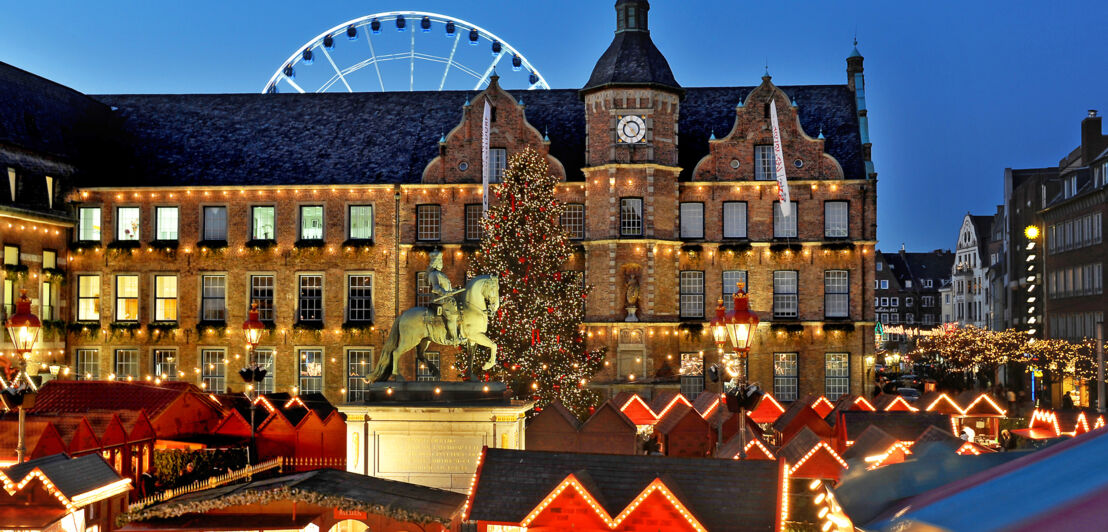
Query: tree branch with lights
[[970, 348], [541, 352]]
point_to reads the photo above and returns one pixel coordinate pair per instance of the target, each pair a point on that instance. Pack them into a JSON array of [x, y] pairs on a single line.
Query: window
[[311, 371], [263, 356], [473, 221], [88, 224], [423, 372], [894, 301], [908, 301], [928, 283], [910, 318], [927, 301], [359, 364], [836, 293], [127, 223], [894, 318], [359, 300], [361, 222], [692, 220], [46, 303], [835, 222], [498, 161], [573, 220], [88, 298], [310, 307], [784, 226], [836, 375], [213, 298], [428, 222], [785, 294], [784, 376], [764, 163], [126, 364], [731, 279], [423, 290], [692, 294], [126, 298], [88, 364], [215, 223], [165, 364], [311, 222], [630, 217], [165, 298], [213, 370], [734, 219], [884, 302], [880, 265], [11, 255], [165, 223], [633, 363], [261, 292], [692, 375], [928, 319], [884, 284], [262, 223], [49, 258]]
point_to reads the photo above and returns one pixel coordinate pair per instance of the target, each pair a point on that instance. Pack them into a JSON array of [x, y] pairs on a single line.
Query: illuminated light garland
[[986, 398], [878, 460], [905, 407], [821, 400], [811, 452], [967, 449], [783, 501], [865, 404], [1045, 416], [676, 399], [943, 396]]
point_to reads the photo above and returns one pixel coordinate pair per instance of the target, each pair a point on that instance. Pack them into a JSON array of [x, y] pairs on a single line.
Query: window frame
[[356, 386], [267, 313], [158, 298], [350, 221], [300, 222], [498, 164], [213, 371], [423, 294], [81, 316], [133, 363], [158, 209], [204, 298], [681, 221], [16, 254], [427, 207], [728, 289], [424, 374], [827, 219], [350, 298], [82, 364], [121, 301], [623, 232], [266, 356], [303, 366], [682, 295], [301, 298], [156, 364], [207, 224], [569, 224], [98, 228], [778, 216], [759, 168], [254, 234], [473, 231], [827, 292], [745, 220], [119, 225], [786, 380], [832, 382], [795, 301]]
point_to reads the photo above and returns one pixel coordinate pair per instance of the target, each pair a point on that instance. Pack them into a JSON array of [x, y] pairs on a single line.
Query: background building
[[190, 207], [969, 275], [908, 292]]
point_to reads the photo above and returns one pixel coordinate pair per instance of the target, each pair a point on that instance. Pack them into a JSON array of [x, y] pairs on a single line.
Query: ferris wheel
[[450, 53]]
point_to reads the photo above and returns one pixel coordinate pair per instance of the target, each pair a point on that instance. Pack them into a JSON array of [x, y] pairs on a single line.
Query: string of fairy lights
[[969, 348]]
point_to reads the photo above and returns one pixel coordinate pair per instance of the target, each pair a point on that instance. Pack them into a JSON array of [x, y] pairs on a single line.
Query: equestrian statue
[[445, 321]]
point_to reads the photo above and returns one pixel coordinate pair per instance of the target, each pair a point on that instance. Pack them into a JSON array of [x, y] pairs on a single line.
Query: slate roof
[[722, 494], [799, 445], [904, 426], [917, 266], [982, 226], [632, 60], [732, 447], [387, 138], [784, 420], [387, 497], [940, 436], [72, 476], [674, 418]]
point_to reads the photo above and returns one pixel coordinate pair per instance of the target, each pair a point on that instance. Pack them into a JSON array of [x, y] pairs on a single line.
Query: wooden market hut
[[683, 432], [553, 429], [797, 417], [807, 455], [607, 431]]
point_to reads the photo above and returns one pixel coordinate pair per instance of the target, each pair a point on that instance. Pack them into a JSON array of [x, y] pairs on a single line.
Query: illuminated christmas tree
[[541, 352]]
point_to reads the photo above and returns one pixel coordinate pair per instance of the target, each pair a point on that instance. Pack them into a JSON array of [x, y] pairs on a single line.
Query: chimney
[[1092, 141]]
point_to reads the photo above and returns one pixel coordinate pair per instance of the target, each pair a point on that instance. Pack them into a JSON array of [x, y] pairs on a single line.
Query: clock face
[[631, 129]]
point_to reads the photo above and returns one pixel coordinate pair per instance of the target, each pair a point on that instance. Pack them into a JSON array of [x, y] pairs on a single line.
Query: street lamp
[[738, 327], [252, 328], [23, 328]]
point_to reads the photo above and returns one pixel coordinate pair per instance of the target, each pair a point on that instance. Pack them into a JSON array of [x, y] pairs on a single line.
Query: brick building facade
[[214, 201], [907, 293]]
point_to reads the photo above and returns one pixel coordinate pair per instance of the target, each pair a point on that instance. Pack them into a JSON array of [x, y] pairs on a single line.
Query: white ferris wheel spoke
[[492, 67], [457, 37], [411, 74], [369, 39], [293, 83], [337, 71]]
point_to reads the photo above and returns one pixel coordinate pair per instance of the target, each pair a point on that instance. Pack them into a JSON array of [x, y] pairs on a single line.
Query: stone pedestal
[[631, 313], [429, 442]]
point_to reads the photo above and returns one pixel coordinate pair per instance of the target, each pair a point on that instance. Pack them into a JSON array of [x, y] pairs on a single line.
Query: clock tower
[[632, 99]]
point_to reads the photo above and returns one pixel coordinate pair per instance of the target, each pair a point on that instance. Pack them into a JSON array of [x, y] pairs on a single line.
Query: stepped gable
[[743, 498]]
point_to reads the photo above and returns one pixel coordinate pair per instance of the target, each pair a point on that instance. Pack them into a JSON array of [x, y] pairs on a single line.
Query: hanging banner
[[485, 125], [779, 163]]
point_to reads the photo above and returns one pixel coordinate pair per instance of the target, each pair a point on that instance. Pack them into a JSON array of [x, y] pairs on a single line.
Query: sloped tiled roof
[[799, 445], [904, 426], [871, 441], [83, 396], [722, 495], [72, 476]]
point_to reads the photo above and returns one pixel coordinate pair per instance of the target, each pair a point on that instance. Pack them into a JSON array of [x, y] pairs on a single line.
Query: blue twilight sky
[[957, 91]]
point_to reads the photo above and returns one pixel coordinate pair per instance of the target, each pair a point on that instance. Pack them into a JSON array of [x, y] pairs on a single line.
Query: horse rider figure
[[444, 303]]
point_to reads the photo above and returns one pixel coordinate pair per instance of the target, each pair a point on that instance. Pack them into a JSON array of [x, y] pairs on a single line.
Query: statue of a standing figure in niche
[[631, 294]]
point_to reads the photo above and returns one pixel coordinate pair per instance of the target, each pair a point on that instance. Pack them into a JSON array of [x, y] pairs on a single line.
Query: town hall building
[[158, 219]]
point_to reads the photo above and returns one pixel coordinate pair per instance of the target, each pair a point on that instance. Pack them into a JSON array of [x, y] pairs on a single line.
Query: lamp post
[[737, 327], [252, 328], [23, 328]]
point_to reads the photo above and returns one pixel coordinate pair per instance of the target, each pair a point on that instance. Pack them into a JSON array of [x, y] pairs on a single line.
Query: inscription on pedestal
[[428, 452]]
